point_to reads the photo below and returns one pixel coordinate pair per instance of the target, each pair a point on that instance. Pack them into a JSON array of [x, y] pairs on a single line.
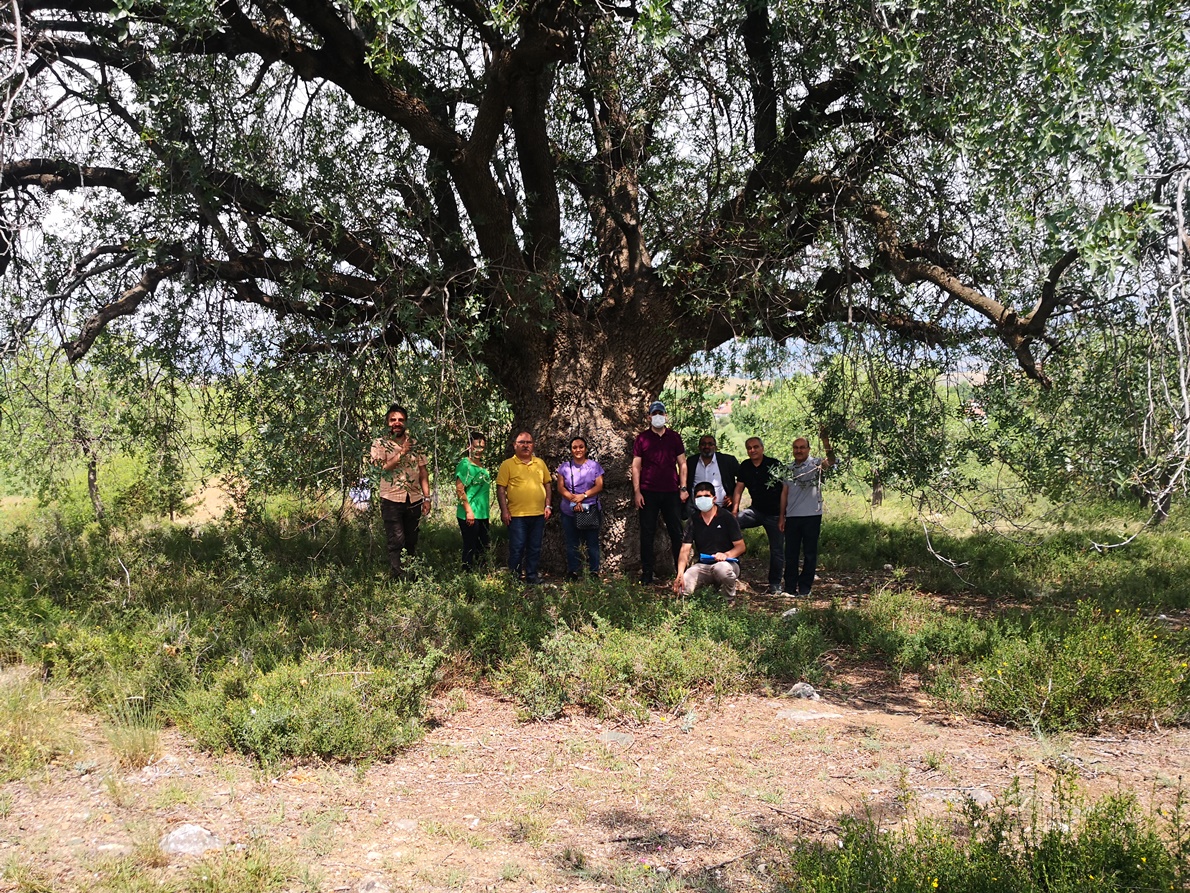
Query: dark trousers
[[771, 524], [574, 540], [477, 539], [400, 530], [524, 546], [801, 535], [669, 506]]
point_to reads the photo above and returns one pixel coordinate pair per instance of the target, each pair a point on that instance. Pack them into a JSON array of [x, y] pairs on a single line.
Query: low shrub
[[329, 708], [619, 672], [1110, 846], [1097, 668]]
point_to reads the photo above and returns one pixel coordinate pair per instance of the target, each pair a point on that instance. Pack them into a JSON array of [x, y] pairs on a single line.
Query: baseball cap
[[656, 406]]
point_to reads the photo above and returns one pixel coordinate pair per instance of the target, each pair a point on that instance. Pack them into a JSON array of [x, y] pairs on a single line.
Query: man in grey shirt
[[801, 515]]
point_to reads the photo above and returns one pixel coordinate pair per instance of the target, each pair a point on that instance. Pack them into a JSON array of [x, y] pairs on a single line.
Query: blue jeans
[[752, 518], [574, 540], [524, 546], [801, 535]]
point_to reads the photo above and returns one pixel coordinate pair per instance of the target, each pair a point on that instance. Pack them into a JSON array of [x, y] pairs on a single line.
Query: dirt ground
[[485, 802]]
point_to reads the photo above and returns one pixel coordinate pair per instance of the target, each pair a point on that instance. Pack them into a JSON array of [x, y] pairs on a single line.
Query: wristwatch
[[683, 489]]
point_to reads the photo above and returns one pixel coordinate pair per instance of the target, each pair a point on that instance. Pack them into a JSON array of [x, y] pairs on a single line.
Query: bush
[[1110, 847], [1095, 669], [334, 709], [620, 672]]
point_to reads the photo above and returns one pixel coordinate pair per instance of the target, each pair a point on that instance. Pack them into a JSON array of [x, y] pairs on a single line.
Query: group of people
[[786, 500]]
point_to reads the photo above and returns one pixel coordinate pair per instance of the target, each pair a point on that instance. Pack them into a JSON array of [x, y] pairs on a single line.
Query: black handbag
[[586, 517]]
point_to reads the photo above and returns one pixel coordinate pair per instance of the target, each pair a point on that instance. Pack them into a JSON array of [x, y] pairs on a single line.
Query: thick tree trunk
[[590, 379]]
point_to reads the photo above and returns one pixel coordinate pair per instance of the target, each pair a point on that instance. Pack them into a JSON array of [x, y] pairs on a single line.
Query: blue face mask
[[704, 503]]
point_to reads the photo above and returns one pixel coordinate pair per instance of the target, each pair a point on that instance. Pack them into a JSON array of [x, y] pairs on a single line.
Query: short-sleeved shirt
[[763, 483], [718, 536], [804, 481], [579, 479], [658, 454], [403, 483], [525, 485], [477, 484]]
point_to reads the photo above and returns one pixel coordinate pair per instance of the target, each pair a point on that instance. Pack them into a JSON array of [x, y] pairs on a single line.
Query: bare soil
[[485, 802]]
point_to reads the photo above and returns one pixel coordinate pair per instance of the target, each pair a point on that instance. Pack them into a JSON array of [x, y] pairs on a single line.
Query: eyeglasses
[[524, 443]]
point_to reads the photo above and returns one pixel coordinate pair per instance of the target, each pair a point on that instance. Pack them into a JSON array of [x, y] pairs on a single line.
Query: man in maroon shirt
[[659, 484]]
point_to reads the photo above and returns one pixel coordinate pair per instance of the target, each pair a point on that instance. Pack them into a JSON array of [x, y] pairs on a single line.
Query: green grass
[[35, 728], [281, 641], [1110, 846]]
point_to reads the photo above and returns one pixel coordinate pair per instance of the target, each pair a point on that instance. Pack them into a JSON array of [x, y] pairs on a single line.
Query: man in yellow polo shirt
[[524, 490]]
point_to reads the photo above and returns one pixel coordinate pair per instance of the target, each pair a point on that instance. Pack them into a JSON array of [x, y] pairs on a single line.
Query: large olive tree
[[582, 194]]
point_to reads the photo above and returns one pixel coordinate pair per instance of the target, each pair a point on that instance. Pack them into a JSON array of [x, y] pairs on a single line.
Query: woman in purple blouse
[[580, 481]]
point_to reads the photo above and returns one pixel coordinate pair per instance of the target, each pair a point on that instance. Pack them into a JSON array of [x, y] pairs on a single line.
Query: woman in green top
[[473, 483]]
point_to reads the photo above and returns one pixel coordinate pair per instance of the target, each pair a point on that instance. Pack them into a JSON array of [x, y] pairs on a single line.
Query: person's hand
[[678, 585], [684, 495], [781, 523], [506, 517], [639, 500], [720, 556], [549, 511], [577, 503], [425, 506], [470, 518]]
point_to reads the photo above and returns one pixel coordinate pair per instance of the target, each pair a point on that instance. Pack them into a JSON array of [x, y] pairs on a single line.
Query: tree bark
[[593, 378]]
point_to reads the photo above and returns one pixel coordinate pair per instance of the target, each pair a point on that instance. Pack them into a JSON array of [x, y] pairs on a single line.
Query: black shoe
[[573, 576], [645, 580]]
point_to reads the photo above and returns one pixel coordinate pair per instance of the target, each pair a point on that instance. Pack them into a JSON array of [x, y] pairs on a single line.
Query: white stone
[[189, 840]]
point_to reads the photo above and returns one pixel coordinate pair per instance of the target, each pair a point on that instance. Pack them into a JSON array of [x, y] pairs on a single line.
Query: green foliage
[[314, 439], [330, 708], [125, 411], [1097, 669], [621, 672], [911, 631], [34, 727], [1109, 846]]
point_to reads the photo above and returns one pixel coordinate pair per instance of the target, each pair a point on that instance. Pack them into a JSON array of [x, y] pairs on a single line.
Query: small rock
[[189, 840], [403, 828], [622, 738], [803, 690], [373, 885], [373, 856], [789, 613], [888, 567], [981, 797]]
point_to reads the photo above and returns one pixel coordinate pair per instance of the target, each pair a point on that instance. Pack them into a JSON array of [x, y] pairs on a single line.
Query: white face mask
[[658, 421], [704, 503]]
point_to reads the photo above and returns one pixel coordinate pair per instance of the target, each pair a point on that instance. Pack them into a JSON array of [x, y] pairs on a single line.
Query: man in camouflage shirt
[[404, 486]]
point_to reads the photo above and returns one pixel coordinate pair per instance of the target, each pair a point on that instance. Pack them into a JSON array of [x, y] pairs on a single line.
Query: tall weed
[[1096, 669], [1110, 845]]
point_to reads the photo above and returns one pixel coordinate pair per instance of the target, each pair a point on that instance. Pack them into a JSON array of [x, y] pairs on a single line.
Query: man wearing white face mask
[[711, 548], [659, 485]]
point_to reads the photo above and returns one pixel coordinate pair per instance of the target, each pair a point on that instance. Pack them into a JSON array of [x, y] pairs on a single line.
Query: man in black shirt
[[762, 476], [711, 547]]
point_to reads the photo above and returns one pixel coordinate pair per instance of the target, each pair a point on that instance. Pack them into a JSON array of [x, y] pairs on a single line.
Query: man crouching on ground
[[711, 547]]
